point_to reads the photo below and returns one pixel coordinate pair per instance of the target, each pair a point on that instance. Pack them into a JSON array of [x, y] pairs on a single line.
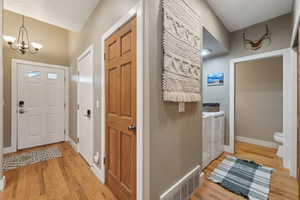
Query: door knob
[[132, 128]]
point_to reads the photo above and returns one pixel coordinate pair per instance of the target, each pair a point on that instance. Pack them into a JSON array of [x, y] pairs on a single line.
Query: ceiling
[[68, 14], [239, 14], [209, 42]]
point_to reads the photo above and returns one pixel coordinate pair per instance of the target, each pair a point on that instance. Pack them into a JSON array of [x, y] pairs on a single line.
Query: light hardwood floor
[[65, 178], [69, 178], [283, 187]]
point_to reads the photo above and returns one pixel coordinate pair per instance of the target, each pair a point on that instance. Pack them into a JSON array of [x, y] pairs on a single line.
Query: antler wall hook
[[257, 44]]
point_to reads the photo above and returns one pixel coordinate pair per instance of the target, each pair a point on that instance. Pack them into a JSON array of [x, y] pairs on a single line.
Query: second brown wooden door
[[120, 67]]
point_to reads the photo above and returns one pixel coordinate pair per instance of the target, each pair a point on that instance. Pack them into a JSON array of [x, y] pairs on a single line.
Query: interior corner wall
[[54, 51], [296, 21], [175, 138], [281, 36]]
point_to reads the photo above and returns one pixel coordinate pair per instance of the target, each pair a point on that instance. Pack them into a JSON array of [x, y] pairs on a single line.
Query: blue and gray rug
[[29, 158], [245, 178]]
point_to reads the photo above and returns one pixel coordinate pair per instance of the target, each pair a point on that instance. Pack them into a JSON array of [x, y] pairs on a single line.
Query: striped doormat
[[29, 158], [245, 178]]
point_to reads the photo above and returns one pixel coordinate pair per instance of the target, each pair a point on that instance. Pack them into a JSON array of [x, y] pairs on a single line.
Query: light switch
[[181, 107]]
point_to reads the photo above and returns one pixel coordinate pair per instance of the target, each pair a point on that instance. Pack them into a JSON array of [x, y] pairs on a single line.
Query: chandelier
[[22, 44]]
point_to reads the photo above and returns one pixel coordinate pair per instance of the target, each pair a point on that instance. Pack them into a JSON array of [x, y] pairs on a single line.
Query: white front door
[[85, 102], [41, 111]]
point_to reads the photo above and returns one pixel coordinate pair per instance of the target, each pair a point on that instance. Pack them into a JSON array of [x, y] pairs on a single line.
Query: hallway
[[67, 178], [283, 187]]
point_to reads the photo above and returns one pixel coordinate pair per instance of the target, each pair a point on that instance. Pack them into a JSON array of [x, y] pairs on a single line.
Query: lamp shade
[[9, 39], [36, 45]]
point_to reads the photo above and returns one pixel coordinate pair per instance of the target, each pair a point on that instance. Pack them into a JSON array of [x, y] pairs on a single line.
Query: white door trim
[[138, 12], [14, 97], [89, 50], [289, 103]]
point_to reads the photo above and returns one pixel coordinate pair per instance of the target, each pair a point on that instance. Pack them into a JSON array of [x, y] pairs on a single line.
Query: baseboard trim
[[2, 183], [228, 149], [10, 149], [169, 194], [257, 142], [97, 173], [72, 143]]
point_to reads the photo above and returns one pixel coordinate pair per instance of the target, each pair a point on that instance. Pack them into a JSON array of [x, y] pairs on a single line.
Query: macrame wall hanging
[[182, 46]]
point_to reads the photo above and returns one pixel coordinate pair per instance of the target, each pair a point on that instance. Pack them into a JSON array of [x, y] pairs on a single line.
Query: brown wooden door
[[120, 67]]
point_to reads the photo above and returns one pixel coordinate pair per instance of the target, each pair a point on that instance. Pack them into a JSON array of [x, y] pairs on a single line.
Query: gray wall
[[175, 138], [54, 51], [259, 98], [281, 34]]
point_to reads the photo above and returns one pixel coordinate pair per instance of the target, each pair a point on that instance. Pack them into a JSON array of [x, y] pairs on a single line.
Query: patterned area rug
[[29, 158], [244, 178]]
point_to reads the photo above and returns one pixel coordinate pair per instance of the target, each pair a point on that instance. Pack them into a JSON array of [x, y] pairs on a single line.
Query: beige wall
[[259, 98], [54, 51], [281, 37]]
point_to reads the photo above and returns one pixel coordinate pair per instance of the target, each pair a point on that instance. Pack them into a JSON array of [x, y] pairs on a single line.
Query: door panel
[[85, 101], [41, 117], [54, 93], [120, 67]]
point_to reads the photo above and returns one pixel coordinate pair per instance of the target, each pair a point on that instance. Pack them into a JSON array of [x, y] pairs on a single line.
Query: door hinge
[[77, 106], [104, 160], [65, 131], [104, 56], [77, 140], [65, 105]]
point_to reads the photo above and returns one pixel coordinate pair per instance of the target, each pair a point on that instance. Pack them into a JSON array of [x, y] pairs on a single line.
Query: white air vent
[[185, 188]]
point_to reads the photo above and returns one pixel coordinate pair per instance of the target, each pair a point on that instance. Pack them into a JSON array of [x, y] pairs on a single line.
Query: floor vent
[[185, 188]]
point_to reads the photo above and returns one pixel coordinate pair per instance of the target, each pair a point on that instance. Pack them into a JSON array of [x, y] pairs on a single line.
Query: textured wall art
[[182, 45]]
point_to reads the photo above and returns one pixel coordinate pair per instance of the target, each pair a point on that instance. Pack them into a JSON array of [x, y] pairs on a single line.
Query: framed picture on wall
[[215, 79]]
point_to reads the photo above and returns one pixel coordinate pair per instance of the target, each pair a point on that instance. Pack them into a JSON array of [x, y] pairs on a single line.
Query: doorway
[[39, 104], [85, 65], [289, 102], [120, 76]]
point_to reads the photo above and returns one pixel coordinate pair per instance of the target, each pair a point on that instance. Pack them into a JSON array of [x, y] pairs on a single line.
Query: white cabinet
[[212, 136]]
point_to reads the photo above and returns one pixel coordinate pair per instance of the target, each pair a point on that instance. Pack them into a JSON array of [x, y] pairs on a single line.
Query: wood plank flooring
[[69, 178], [65, 178], [283, 187]]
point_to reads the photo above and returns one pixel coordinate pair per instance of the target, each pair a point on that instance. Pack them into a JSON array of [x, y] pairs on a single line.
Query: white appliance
[[212, 136]]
